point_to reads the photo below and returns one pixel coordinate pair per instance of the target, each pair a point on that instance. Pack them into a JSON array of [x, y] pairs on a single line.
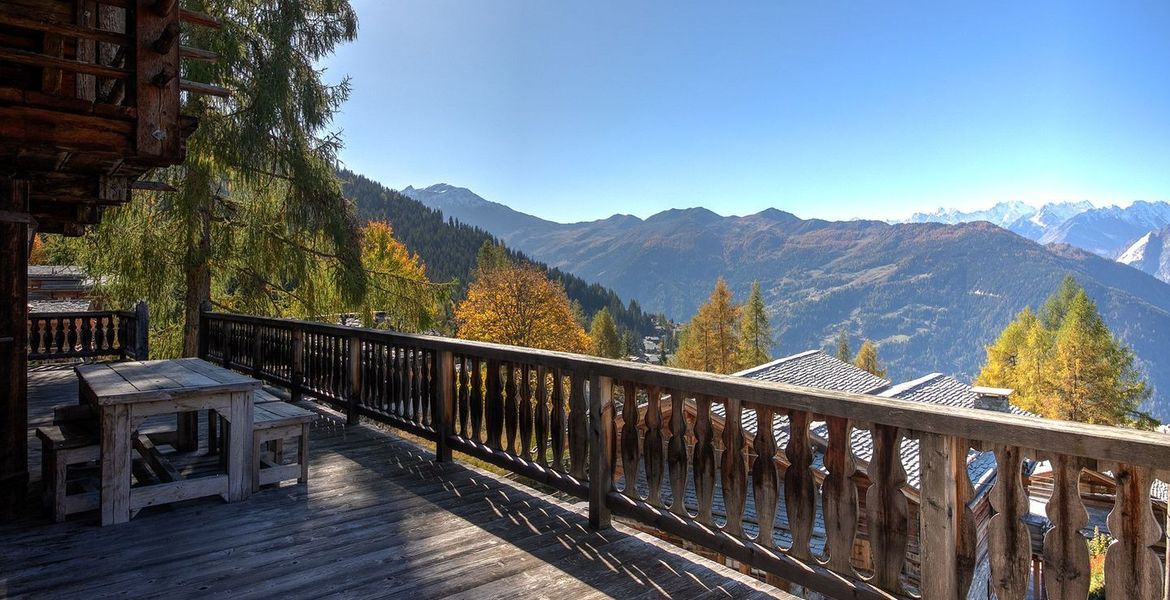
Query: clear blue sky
[[575, 110]]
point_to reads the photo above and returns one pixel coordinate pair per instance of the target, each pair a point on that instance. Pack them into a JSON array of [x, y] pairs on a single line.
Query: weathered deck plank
[[379, 519]]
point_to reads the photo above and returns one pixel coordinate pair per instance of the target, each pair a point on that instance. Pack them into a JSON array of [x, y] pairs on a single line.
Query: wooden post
[[141, 331], [444, 411], [297, 366], [228, 333], [354, 398], [204, 328], [601, 442], [14, 246], [947, 525]]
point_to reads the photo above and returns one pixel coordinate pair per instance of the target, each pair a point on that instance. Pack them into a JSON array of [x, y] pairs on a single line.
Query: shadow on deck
[[379, 519]]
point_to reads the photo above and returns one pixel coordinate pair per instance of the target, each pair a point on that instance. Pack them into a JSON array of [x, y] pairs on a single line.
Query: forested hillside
[[449, 248]]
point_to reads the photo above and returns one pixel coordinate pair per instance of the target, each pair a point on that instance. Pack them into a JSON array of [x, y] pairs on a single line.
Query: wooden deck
[[379, 519]]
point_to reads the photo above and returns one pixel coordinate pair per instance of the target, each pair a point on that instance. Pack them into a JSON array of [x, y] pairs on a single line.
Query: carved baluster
[[493, 404], [1066, 555], [110, 333], [733, 470], [839, 496], [1132, 568], [653, 446], [476, 400], [510, 406], [464, 396], [799, 485], [34, 335], [631, 449], [72, 339], [59, 338], [525, 388], [558, 420], [704, 459], [947, 525], [886, 509], [86, 335], [677, 453], [578, 427], [541, 424], [1009, 542], [403, 383], [765, 481], [419, 383]]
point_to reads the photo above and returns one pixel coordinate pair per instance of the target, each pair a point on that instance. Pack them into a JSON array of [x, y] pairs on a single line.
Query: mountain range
[[1109, 231], [932, 295]]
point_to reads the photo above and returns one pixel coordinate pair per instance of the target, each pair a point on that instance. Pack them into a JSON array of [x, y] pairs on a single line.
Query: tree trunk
[[198, 280]]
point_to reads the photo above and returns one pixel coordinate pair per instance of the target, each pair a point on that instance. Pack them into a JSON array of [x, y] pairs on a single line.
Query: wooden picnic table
[[126, 393]]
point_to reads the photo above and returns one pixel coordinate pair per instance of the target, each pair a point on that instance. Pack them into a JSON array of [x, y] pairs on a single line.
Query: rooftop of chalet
[[379, 518]]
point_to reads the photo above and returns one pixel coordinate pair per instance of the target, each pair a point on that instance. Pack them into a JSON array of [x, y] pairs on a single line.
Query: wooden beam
[[197, 54], [40, 60], [65, 29], [153, 186], [206, 89], [198, 18]]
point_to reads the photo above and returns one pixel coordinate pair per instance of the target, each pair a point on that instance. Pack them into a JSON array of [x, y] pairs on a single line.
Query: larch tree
[[398, 289], [755, 331], [710, 341], [844, 354], [603, 336], [867, 359], [517, 304], [1064, 363]]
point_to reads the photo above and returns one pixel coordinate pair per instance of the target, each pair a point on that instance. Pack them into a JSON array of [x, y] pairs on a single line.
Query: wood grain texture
[[511, 405], [541, 424], [677, 453], [886, 509], [840, 497], [703, 462], [733, 470], [1132, 567], [558, 420], [1066, 555], [578, 428], [946, 523], [653, 447], [1009, 542], [493, 401], [799, 485], [765, 480], [601, 419], [631, 448]]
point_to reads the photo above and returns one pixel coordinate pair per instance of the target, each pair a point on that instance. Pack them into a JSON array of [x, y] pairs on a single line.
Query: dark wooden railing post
[[141, 331], [228, 332], [204, 329], [354, 398], [297, 368], [601, 442], [257, 336], [444, 412]]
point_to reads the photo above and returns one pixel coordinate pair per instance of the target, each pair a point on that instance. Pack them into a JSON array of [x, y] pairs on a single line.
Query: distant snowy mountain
[[469, 207], [1150, 253], [1110, 231], [1002, 214], [1035, 225]]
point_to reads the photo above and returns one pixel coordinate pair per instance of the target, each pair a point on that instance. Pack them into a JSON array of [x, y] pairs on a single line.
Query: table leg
[[116, 463], [240, 447]]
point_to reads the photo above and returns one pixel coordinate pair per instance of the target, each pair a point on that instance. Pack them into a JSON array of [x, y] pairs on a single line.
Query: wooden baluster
[[631, 449], [1066, 555], [765, 481], [558, 421], [417, 384], [86, 335], [733, 470], [427, 365], [72, 339], [886, 509], [677, 453], [476, 412], [1009, 542], [799, 485], [578, 426], [34, 335], [947, 525], [510, 405], [525, 403], [653, 446], [464, 397], [541, 424], [401, 382], [839, 497], [59, 337], [704, 459], [110, 333], [493, 404], [1132, 568]]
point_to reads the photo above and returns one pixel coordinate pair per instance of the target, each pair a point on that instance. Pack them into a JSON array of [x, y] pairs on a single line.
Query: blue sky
[[574, 110]]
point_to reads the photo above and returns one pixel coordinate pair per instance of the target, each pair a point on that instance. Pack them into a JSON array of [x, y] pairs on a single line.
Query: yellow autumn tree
[[398, 294], [867, 359], [710, 341], [517, 304]]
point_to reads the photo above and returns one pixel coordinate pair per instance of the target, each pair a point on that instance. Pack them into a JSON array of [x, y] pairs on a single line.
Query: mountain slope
[[1150, 254], [932, 295], [1109, 231], [448, 248]]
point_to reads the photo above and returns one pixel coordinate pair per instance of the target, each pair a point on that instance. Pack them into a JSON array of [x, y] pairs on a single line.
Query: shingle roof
[[58, 306], [817, 369], [56, 271]]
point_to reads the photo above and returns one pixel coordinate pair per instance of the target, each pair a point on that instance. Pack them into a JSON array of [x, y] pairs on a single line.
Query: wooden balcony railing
[[554, 417], [89, 334]]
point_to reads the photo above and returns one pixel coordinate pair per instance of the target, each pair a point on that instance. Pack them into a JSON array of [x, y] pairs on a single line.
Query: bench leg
[[60, 467], [303, 454], [46, 473], [277, 447], [212, 432]]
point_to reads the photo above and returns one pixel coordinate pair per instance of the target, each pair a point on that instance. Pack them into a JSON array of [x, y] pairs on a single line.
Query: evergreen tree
[[1064, 363], [710, 340], [867, 359], [603, 336], [844, 354], [755, 332]]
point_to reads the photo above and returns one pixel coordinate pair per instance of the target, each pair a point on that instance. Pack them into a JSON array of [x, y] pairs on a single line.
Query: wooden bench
[[274, 421], [69, 443], [215, 426]]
